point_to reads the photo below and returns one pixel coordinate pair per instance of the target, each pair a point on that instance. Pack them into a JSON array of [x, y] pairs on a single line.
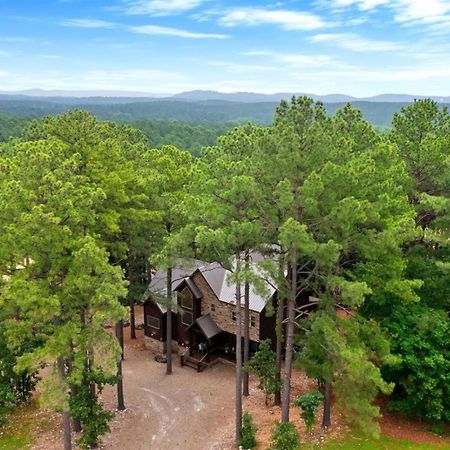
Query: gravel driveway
[[185, 410]]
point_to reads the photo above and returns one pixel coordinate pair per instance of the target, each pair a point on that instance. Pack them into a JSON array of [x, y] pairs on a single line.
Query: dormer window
[[186, 299]]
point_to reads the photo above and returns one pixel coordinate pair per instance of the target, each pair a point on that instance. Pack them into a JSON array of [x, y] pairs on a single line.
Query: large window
[[186, 318], [252, 321], [186, 299], [153, 322]]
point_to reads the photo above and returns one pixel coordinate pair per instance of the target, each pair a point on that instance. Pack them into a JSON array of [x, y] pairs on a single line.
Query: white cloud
[[405, 11], [241, 68], [297, 60], [356, 43], [161, 7], [49, 56], [168, 31], [429, 11], [287, 19], [365, 5], [88, 23]]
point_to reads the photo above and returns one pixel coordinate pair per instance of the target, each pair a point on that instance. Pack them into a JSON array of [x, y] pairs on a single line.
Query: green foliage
[[248, 432], [86, 407], [184, 135], [348, 353], [284, 437], [421, 337], [309, 403], [11, 126], [16, 386], [7, 400], [263, 365]]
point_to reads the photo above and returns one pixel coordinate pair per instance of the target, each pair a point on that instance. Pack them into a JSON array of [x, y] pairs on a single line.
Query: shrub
[[248, 432], [86, 407], [309, 403], [264, 366], [284, 437]]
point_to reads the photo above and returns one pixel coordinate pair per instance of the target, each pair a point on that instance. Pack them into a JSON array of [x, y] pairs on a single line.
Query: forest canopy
[[358, 218]]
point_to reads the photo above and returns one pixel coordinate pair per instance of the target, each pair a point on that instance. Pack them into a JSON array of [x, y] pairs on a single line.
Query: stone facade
[[153, 344], [221, 312], [157, 346]]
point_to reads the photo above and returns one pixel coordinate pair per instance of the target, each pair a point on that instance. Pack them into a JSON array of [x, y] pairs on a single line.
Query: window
[[213, 307], [186, 299], [186, 318], [233, 315], [252, 321], [153, 322]]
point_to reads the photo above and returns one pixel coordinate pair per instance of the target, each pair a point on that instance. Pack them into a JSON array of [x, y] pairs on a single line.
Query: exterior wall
[[182, 332], [151, 309], [223, 311], [268, 323], [154, 345]]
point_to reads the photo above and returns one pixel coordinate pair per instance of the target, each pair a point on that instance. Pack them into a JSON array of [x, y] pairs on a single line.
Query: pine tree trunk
[[169, 323], [289, 342], [279, 348], [132, 278], [65, 416], [120, 396], [326, 421], [245, 381], [76, 424], [132, 320], [238, 354]]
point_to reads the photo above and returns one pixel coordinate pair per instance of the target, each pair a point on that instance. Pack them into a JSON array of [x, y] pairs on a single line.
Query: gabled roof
[[158, 284], [217, 278], [192, 287], [207, 326]]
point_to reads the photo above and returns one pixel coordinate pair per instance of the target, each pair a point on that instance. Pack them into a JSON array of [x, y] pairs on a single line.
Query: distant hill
[[213, 111], [252, 97], [114, 96]]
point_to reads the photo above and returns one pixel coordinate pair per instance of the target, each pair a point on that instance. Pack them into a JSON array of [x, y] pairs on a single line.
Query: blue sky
[[356, 47]]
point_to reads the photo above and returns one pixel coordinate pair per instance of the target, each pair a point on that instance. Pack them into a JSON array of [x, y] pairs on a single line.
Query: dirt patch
[[400, 427], [187, 410], [190, 410], [265, 416]]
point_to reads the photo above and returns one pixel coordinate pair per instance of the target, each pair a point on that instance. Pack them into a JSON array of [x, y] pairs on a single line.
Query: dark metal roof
[[207, 326], [192, 287]]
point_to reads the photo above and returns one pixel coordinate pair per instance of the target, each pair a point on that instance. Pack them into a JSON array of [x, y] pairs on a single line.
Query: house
[[204, 311]]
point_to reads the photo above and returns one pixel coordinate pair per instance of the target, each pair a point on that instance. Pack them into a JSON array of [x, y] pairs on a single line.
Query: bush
[[248, 432], [263, 364], [86, 407], [284, 437], [309, 403]]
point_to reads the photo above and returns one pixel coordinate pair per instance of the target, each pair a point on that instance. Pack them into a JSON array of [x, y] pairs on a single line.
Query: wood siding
[[150, 309], [182, 332]]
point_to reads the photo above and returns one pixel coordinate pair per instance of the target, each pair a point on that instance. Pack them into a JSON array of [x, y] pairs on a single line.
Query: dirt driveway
[[186, 410]]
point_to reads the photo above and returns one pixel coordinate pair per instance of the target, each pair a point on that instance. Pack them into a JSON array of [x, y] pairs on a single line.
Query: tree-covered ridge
[[356, 218], [379, 114], [184, 135], [11, 126]]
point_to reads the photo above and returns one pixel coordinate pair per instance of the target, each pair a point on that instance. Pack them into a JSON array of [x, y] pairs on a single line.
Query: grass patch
[[17, 434], [353, 441]]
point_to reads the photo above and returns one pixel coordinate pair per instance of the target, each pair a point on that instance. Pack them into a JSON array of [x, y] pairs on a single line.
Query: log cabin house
[[203, 319]]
